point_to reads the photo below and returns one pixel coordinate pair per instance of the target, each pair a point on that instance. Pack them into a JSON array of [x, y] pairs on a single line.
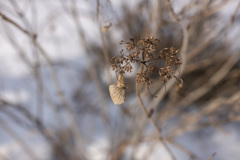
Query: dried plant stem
[[172, 11], [151, 120], [212, 156], [233, 18], [14, 23], [54, 78], [183, 149], [92, 71], [19, 140], [183, 50], [105, 51], [213, 81], [37, 75]]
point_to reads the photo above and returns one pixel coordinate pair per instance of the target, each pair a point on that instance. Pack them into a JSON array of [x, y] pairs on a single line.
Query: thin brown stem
[[7, 19], [172, 11], [212, 156], [183, 149], [183, 50], [151, 120], [57, 86], [19, 140]]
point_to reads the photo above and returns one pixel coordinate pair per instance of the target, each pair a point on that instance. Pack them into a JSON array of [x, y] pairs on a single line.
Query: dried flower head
[[143, 51]]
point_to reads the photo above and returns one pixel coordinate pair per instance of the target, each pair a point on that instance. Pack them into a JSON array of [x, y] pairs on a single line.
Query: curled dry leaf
[[117, 92]]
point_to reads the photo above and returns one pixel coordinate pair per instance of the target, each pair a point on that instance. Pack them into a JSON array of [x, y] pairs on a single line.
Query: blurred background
[[55, 70]]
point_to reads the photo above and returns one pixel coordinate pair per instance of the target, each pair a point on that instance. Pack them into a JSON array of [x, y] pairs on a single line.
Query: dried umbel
[[117, 92], [144, 51]]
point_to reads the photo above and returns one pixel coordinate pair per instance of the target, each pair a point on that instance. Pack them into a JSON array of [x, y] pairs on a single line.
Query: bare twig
[[215, 79], [172, 11], [105, 51], [212, 156], [183, 51], [151, 120], [54, 77], [19, 140], [5, 18]]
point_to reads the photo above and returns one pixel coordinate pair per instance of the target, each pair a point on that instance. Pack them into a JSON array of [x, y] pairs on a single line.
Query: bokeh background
[[55, 69]]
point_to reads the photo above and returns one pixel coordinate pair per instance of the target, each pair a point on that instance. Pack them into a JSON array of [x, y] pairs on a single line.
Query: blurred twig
[[183, 51], [151, 120], [19, 140], [215, 79], [54, 77], [212, 156]]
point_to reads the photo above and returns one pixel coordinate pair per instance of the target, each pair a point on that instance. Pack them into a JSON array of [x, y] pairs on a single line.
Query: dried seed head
[[143, 51]]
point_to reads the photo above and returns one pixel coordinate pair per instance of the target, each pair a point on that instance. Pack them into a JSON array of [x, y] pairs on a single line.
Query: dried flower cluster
[[143, 51]]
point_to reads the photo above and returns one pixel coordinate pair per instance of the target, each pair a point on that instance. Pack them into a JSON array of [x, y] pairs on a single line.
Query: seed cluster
[[143, 51]]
